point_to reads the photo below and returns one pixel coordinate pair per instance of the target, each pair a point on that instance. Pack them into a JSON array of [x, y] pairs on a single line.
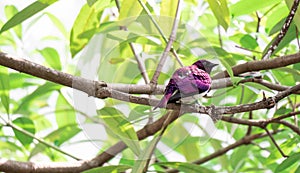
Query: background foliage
[[39, 119]]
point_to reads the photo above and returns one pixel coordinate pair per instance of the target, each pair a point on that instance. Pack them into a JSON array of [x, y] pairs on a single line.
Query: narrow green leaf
[[117, 122], [225, 63], [247, 41], [51, 56], [221, 12], [277, 27], [258, 86], [168, 7], [27, 125], [64, 112], [88, 19], [116, 60], [59, 25], [25, 14], [130, 8], [4, 88], [288, 162], [108, 169], [11, 146], [58, 137], [186, 167], [10, 11], [144, 157], [41, 90], [246, 7]]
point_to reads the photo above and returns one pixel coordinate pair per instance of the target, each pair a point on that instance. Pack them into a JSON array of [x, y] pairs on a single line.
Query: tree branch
[[99, 89], [261, 65], [283, 31], [168, 47], [244, 141]]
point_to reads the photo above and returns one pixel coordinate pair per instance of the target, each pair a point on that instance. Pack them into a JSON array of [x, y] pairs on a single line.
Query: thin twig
[[160, 30], [275, 143], [168, 47], [249, 130], [40, 140], [282, 32], [163, 129], [141, 65], [244, 141]]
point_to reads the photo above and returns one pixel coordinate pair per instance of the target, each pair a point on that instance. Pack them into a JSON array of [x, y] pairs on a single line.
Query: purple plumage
[[187, 81]]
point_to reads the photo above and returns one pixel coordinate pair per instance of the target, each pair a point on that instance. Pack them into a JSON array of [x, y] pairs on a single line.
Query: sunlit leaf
[[88, 19], [247, 41], [225, 63], [64, 112], [25, 14], [4, 88], [221, 11], [246, 7], [186, 167], [52, 57], [10, 11], [145, 155], [168, 7], [108, 169], [117, 122], [130, 9], [57, 137], [288, 162], [41, 90], [59, 25], [27, 125]]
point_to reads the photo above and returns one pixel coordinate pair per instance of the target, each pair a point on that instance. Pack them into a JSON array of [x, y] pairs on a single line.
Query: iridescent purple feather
[[187, 81]]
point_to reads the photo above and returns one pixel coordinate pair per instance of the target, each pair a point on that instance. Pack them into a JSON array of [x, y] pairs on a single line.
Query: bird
[[187, 81]]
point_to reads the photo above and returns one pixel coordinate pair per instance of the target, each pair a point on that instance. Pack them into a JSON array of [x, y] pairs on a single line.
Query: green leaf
[[41, 90], [258, 86], [144, 157], [130, 9], [58, 137], [51, 56], [108, 169], [288, 162], [221, 12], [247, 41], [10, 11], [246, 7], [185, 167], [225, 62], [277, 27], [4, 88], [88, 19], [116, 60], [168, 8], [117, 122], [285, 42], [59, 25], [27, 125], [25, 14], [64, 112]]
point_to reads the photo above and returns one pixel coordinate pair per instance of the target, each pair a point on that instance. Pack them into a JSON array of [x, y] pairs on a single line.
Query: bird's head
[[205, 65]]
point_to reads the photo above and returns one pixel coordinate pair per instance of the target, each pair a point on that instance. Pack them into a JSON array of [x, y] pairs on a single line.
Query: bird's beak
[[213, 65]]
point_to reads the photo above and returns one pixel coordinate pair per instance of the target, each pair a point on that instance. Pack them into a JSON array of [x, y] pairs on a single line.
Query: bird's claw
[[213, 113]]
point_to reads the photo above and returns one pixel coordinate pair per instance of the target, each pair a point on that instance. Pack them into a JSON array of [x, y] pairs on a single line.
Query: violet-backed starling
[[187, 81]]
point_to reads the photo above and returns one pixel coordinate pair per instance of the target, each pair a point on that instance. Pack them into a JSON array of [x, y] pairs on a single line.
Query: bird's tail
[[163, 102]]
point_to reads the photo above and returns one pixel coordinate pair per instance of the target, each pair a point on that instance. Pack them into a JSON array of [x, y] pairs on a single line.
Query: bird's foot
[[213, 113]]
